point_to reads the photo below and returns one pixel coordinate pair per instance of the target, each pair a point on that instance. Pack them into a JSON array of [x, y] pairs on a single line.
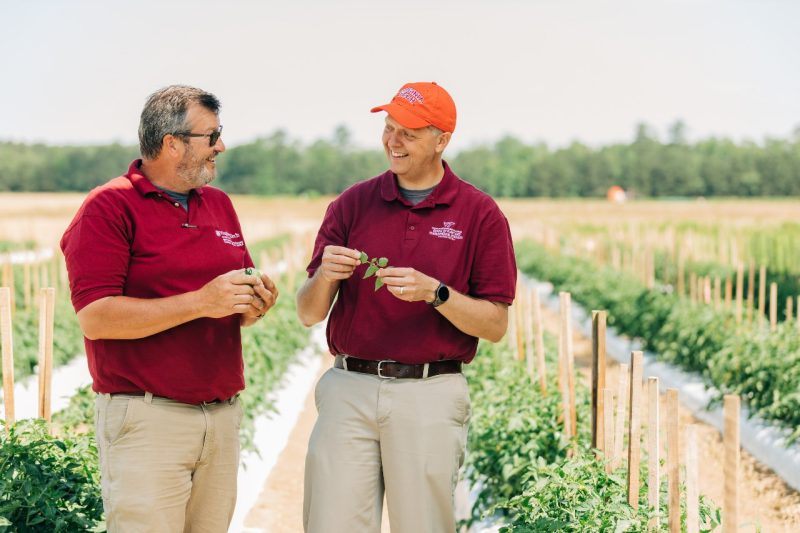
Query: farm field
[[697, 258]]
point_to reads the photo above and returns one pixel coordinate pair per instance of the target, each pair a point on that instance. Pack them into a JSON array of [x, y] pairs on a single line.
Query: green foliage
[[577, 495], [764, 369], [47, 483], [512, 424], [277, 164]]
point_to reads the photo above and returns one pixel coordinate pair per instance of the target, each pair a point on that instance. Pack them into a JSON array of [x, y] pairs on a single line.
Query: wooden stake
[[692, 286], [773, 306], [692, 483], [728, 293], [739, 292], [571, 370], [538, 332], [789, 308], [511, 333], [519, 311], [634, 428], [619, 419], [673, 459], [608, 429], [730, 507], [762, 291], [47, 299], [568, 380], [707, 290], [12, 287], [717, 291], [681, 285], [751, 286], [598, 376], [653, 452], [527, 318], [8, 355]]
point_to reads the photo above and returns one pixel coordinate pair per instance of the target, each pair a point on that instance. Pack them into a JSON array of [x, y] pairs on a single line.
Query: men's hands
[[408, 284], [266, 295], [338, 263], [237, 292]]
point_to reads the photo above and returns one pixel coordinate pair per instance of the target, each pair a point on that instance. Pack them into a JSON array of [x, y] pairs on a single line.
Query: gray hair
[[164, 113], [436, 131]]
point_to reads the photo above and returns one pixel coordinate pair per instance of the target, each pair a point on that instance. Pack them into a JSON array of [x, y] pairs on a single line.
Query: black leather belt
[[393, 369]]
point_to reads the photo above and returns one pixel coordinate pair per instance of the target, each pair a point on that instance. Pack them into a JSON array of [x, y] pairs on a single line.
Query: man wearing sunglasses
[[156, 265]]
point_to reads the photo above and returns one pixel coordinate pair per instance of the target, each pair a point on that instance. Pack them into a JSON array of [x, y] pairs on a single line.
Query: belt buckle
[[380, 364]]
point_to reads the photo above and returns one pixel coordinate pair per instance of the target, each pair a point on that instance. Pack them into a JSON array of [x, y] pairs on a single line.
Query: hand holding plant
[[374, 264]]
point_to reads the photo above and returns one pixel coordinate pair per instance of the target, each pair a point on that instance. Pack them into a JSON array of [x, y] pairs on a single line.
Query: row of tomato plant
[[518, 462], [50, 482], [762, 367], [788, 283]]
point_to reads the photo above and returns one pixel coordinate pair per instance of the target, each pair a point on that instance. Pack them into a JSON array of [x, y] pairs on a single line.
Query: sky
[[553, 71]]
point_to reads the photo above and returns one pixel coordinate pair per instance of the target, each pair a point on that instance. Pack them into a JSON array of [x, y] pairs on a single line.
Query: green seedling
[[374, 264]]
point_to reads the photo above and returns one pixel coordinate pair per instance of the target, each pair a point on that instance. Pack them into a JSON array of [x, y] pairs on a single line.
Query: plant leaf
[[378, 283], [382, 262], [371, 269], [364, 257]]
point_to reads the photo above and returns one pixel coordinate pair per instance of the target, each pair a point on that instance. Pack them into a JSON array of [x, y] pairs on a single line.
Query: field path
[[279, 508]]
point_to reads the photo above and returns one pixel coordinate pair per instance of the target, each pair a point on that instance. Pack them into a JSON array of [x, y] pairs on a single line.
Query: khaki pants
[[404, 436], [167, 466]]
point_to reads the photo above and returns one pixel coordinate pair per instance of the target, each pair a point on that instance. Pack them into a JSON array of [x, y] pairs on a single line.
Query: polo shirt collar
[[444, 193], [143, 184]]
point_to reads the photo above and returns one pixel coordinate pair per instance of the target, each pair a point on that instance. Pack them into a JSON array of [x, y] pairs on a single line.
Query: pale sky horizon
[[543, 71]]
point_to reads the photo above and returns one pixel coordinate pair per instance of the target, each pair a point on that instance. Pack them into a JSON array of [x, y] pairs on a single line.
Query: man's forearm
[[479, 318], [123, 317], [314, 299]]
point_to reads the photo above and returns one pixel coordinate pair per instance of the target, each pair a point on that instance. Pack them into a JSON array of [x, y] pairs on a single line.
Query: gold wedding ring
[[402, 290]]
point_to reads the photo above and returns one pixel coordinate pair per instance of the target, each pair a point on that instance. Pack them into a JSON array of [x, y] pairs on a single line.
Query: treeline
[[278, 164]]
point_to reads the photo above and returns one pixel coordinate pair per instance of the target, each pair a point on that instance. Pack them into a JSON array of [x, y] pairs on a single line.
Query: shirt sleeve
[[97, 252], [494, 269], [332, 231]]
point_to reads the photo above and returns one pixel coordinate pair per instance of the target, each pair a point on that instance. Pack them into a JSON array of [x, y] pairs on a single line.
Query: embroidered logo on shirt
[[412, 96], [228, 238], [447, 232]]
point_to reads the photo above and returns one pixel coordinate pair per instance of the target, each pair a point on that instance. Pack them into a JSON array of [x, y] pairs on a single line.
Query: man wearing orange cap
[[394, 409]]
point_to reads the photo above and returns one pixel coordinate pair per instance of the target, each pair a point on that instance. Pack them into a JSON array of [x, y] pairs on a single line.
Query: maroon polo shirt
[[457, 235], [128, 238]]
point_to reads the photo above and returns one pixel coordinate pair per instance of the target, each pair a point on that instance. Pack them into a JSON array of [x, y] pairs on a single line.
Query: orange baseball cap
[[421, 104]]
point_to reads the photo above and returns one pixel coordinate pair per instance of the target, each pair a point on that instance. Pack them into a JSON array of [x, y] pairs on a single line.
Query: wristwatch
[[442, 294]]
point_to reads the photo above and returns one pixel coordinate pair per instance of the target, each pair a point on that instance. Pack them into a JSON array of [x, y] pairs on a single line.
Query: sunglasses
[[213, 137]]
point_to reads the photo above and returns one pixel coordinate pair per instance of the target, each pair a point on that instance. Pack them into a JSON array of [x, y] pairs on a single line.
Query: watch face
[[443, 293]]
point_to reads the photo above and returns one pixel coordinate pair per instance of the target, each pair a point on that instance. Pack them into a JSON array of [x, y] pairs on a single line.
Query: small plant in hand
[[250, 271], [374, 264]]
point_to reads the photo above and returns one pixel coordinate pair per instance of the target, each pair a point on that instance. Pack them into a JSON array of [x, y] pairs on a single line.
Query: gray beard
[[191, 176]]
